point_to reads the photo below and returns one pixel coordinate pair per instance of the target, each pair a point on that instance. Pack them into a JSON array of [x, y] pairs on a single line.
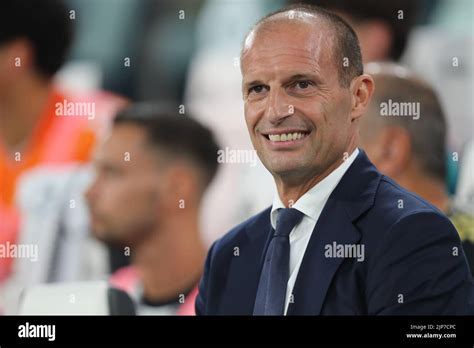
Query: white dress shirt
[[311, 205]]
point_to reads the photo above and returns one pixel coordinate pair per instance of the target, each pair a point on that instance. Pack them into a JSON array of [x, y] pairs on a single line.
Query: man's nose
[[278, 106]]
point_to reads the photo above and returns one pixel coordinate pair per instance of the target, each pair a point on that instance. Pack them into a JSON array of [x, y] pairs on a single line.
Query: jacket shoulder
[[240, 231], [393, 203]]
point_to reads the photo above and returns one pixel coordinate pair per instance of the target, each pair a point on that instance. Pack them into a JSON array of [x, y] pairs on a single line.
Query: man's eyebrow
[[298, 77], [253, 83], [295, 77]]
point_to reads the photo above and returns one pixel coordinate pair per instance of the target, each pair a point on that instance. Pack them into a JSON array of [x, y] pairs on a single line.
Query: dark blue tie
[[271, 290]]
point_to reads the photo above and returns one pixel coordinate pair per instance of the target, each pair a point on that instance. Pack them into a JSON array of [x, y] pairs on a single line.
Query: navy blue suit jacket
[[413, 263]]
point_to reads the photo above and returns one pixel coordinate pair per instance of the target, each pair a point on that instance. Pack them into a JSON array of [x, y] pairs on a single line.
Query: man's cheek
[[251, 129], [249, 119]]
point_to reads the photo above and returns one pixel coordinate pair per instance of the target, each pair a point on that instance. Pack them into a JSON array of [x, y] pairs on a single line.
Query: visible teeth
[[274, 137], [285, 137]]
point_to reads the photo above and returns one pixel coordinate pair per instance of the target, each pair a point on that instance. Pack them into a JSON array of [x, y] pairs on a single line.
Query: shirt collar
[[313, 201]]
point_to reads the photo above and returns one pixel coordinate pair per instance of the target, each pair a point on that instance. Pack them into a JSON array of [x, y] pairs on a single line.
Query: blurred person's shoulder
[[464, 223]]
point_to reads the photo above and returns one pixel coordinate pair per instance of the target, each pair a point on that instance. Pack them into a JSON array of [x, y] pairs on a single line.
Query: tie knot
[[287, 219]]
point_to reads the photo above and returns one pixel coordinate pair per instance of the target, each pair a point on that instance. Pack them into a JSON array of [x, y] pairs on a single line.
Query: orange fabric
[[9, 222], [55, 140]]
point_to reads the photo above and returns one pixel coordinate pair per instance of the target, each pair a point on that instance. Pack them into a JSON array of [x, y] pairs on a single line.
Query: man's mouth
[[286, 136]]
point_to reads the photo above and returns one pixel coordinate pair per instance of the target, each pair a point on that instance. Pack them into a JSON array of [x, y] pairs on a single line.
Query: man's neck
[[292, 190], [20, 109], [171, 262]]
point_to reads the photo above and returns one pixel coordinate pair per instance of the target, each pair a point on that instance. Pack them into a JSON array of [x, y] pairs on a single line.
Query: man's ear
[[395, 151], [181, 183], [362, 89]]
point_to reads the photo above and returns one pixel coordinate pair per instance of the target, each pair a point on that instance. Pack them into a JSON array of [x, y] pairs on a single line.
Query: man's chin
[[283, 166], [108, 238]]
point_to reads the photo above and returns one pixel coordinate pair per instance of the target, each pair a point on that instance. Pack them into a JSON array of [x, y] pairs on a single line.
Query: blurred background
[[186, 54]]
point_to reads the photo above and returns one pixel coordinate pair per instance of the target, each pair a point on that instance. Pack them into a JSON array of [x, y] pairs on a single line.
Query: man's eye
[[256, 89], [303, 84]]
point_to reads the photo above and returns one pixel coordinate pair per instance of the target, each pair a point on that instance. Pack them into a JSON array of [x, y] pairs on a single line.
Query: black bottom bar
[[136, 331]]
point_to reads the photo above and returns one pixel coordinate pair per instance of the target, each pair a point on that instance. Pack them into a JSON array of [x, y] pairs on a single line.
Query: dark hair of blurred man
[[152, 172], [411, 149]]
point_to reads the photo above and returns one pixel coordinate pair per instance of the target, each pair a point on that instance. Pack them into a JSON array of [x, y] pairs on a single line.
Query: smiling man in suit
[[340, 238]]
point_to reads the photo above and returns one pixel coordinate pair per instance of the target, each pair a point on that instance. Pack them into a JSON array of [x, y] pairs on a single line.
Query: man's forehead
[[282, 67], [303, 45], [306, 25]]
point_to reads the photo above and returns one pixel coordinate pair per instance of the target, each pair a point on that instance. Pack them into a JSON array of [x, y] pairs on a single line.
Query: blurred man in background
[[410, 147], [152, 172]]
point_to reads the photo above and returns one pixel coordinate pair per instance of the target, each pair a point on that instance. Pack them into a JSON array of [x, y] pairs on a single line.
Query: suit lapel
[[354, 195], [317, 271]]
